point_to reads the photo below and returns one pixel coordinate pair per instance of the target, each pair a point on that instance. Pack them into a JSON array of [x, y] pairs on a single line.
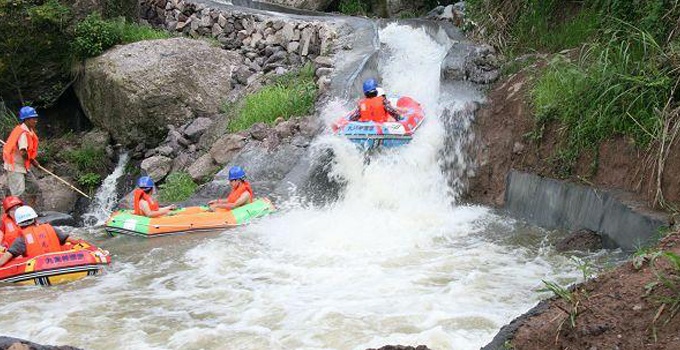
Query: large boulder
[[466, 61], [55, 195], [157, 167], [134, 91]]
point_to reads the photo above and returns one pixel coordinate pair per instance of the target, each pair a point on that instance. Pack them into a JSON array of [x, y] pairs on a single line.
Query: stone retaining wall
[[266, 42]]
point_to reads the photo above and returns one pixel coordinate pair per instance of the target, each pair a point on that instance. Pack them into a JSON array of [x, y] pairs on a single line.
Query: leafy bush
[[176, 188], [353, 7], [291, 94], [90, 181], [95, 35]]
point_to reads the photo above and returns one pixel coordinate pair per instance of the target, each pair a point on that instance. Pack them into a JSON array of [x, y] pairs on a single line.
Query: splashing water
[[106, 198], [390, 262]]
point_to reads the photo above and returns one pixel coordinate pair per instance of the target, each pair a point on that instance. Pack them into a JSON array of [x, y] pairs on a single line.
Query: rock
[[166, 151], [285, 128], [478, 64], [197, 128], [583, 240], [259, 131], [56, 196], [226, 148], [18, 344], [124, 92], [96, 137], [56, 218], [202, 167], [293, 47], [323, 61], [310, 126], [182, 161], [157, 167], [323, 72]]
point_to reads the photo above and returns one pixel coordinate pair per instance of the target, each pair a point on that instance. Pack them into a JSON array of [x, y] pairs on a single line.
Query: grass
[[88, 158], [669, 303], [615, 87], [292, 94], [176, 188], [132, 32]]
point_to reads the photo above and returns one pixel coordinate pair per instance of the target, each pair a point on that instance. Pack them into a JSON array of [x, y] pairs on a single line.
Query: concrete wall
[[555, 204]]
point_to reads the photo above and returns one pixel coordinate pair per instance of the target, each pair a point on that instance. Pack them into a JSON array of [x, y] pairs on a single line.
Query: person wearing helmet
[[9, 230], [35, 239], [144, 203], [374, 107], [241, 191], [20, 150]]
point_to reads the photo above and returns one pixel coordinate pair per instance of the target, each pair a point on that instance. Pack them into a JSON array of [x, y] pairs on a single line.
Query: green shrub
[[95, 35], [88, 158], [291, 94], [353, 7], [90, 181], [176, 188]]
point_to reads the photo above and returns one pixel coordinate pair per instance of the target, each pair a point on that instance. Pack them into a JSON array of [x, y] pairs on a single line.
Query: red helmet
[[10, 202]]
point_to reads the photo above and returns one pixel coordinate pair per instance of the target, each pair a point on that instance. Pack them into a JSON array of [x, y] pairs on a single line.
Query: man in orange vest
[[20, 151], [9, 230], [144, 204], [241, 191], [36, 239], [374, 107]]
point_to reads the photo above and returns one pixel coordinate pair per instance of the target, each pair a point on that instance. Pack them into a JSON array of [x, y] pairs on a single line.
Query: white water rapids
[[391, 262]]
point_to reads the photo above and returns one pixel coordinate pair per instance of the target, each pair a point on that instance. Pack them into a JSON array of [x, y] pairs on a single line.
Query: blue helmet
[[370, 85], [236, 173], [145, 182], [27, 113]]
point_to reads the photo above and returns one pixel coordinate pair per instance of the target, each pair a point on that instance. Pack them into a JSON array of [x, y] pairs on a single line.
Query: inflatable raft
[[389, 134], [77, 260], [187, 220]]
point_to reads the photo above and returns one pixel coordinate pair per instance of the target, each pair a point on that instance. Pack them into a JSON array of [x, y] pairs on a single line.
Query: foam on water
[[391, 262]]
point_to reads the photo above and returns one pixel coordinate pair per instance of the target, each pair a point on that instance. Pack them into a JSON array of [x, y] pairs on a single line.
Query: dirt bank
[[621, 309]]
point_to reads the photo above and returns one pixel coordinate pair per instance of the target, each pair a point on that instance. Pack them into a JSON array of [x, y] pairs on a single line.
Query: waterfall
[[106, 197]]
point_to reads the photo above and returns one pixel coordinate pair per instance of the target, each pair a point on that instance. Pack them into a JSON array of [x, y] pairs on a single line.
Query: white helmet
[[380, 91], [24, 214]]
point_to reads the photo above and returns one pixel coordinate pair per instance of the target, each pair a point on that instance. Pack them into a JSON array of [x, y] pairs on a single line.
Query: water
[[106, 197], [391, 262]]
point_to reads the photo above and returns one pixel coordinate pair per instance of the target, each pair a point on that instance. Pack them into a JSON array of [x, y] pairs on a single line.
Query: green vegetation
[[292, 94], [90, 181], [94, 35], [44, 37], [353, 7], [8, 120], [669, 278], [617, 79], [176, 188], [89, 162]]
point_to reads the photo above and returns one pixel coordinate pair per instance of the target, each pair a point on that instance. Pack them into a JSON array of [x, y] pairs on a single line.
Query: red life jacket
[[40, 239], [11, 146], [141, 195], [238, 191], [373, 109], [11, 230]]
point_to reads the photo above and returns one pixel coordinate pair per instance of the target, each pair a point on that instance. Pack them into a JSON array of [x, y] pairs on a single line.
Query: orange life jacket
[[238, 191], [141, 195], [11, 146], [11, 230], [40, 239], [373, 109]]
